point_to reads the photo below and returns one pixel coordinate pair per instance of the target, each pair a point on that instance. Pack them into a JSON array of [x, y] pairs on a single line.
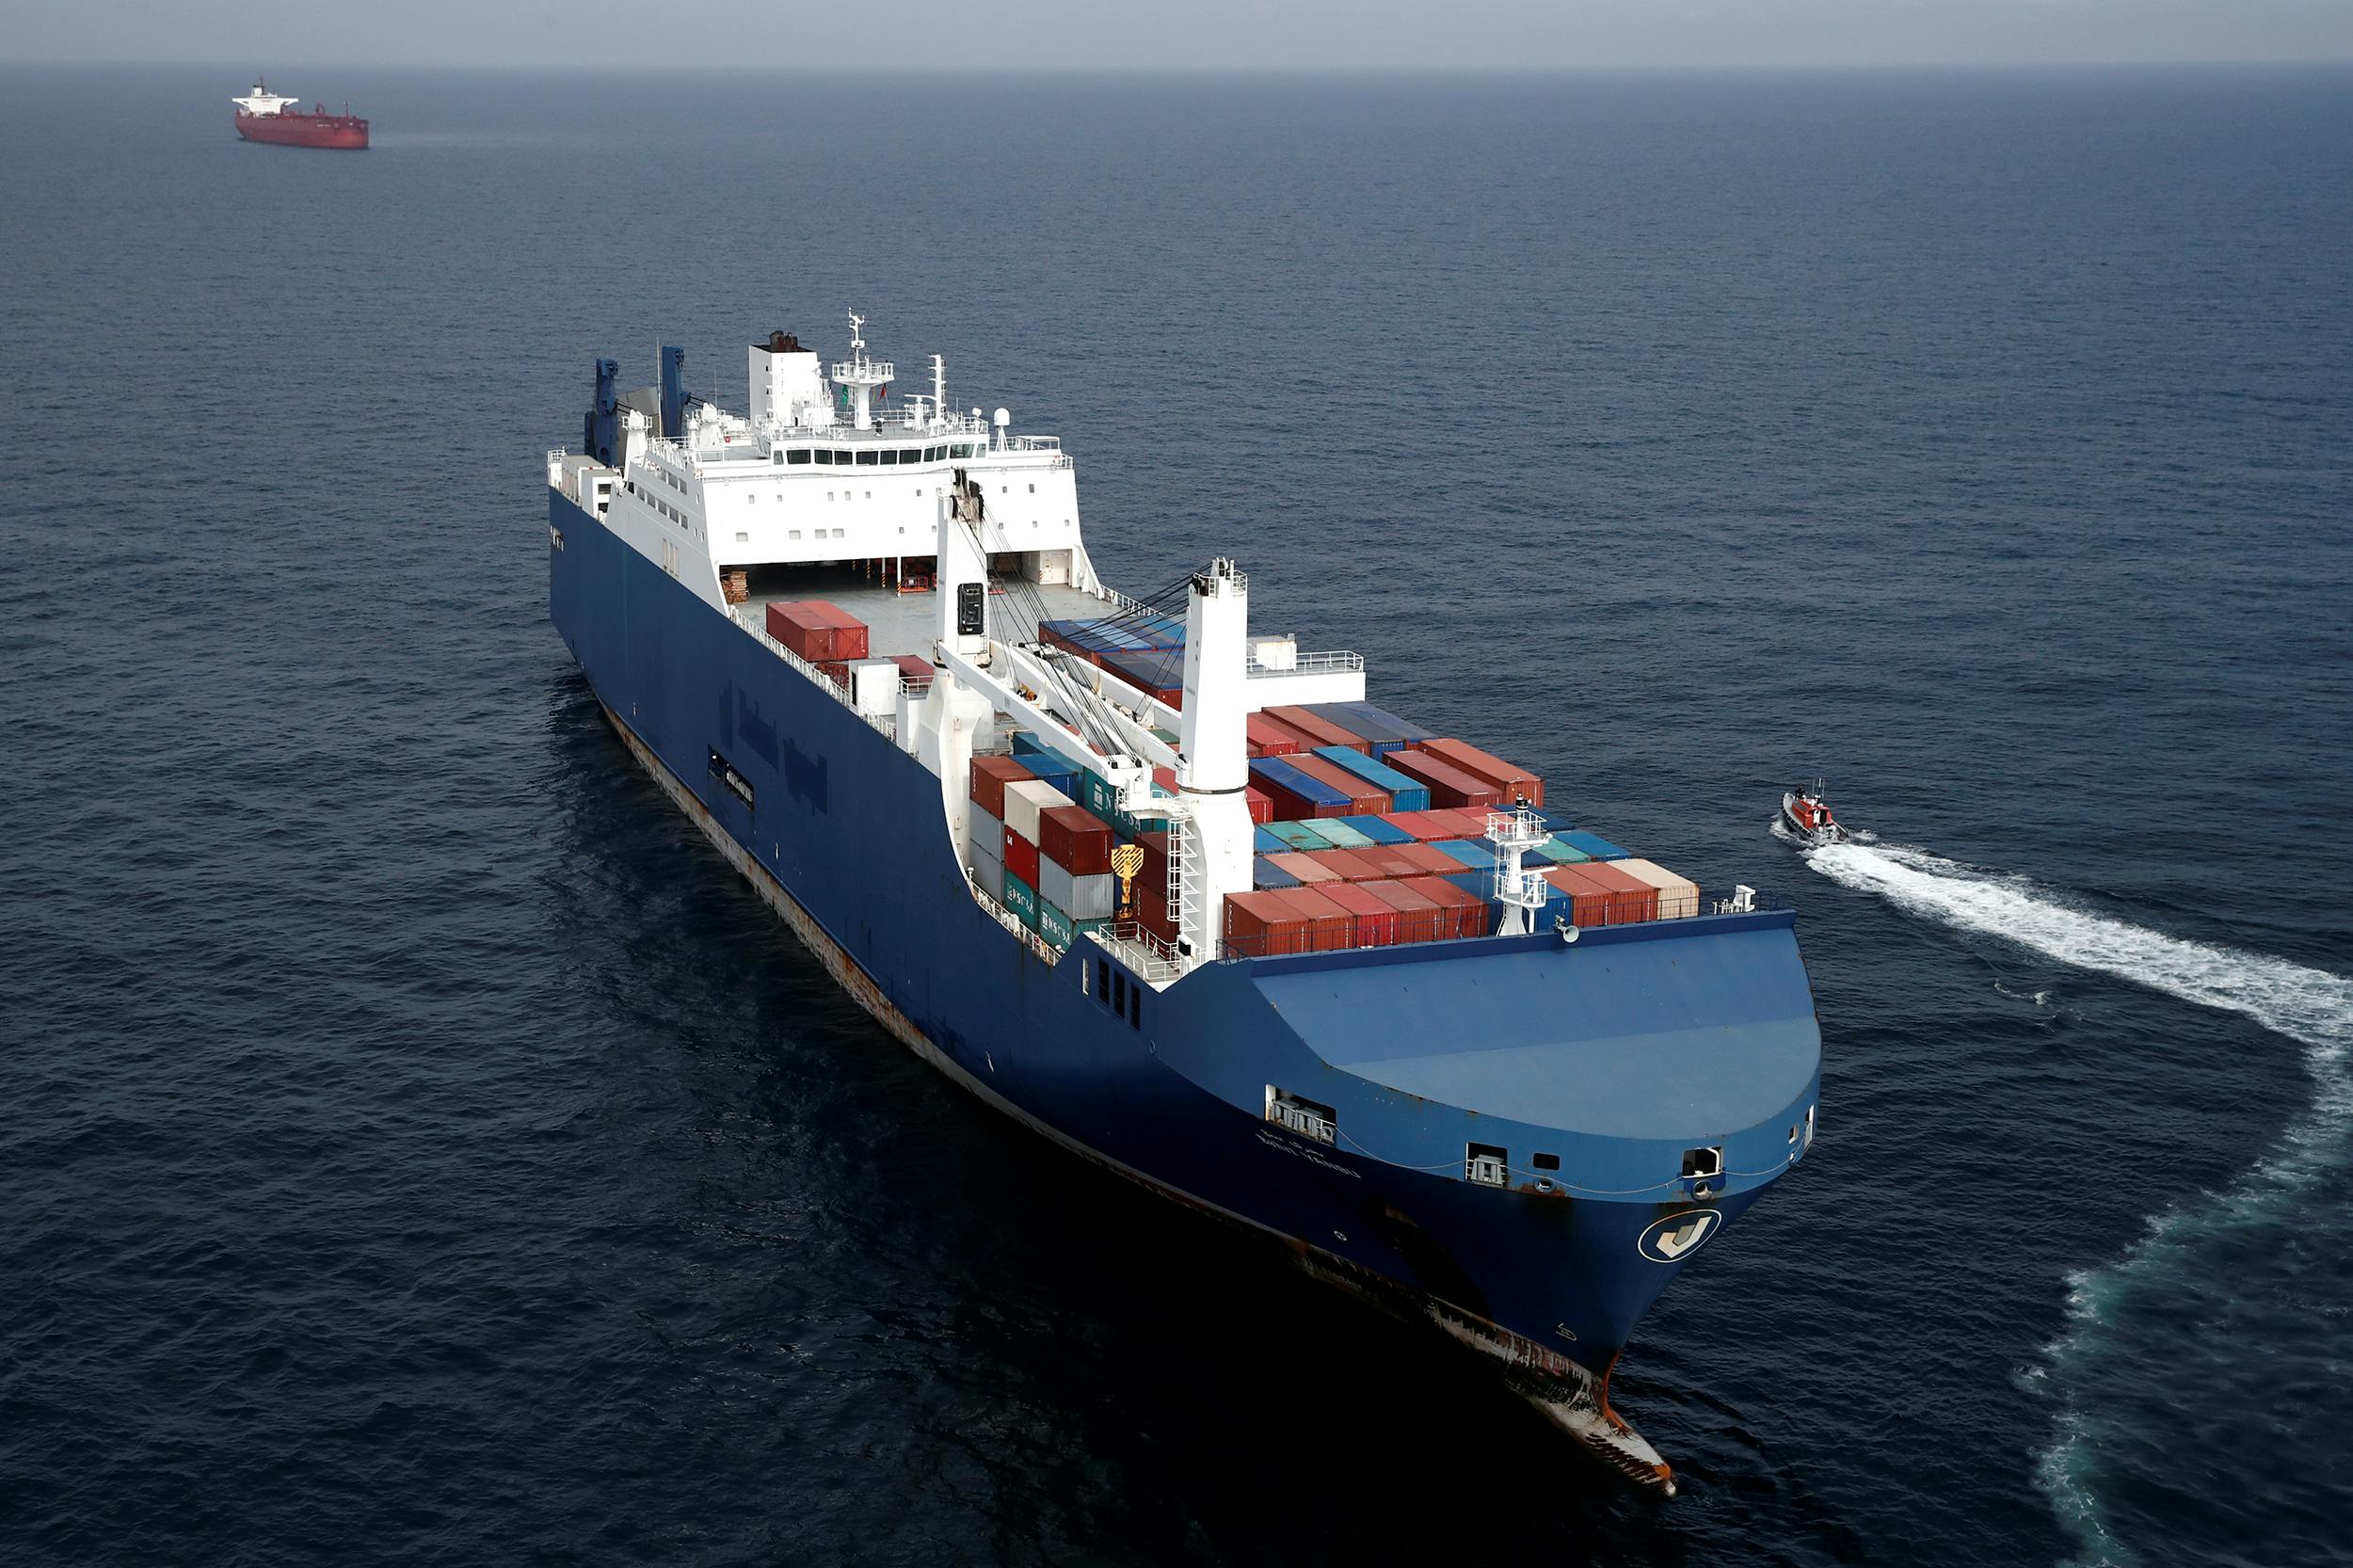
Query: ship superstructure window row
[[877, 457]]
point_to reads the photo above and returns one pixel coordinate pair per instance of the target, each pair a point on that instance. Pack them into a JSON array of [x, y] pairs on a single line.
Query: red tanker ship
[[267, 116]]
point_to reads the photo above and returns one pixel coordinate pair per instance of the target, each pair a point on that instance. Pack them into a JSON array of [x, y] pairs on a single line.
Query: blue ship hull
[[1615, 1053]]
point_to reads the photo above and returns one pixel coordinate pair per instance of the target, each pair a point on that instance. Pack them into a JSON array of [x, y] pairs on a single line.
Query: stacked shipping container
[[1373, 830], [816, 630]]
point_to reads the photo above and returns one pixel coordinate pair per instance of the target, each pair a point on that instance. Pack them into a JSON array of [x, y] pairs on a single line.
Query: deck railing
[[1133, 944], [1038, 945], [886, 724]]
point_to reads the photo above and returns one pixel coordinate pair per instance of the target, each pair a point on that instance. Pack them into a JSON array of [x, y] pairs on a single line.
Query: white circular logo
[[1678, 1236]]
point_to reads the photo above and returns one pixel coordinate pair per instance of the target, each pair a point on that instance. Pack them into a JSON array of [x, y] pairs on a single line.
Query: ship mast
[[862, 376]]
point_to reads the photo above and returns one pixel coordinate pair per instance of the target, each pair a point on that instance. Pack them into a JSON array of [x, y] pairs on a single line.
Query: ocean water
[[416, 1145]]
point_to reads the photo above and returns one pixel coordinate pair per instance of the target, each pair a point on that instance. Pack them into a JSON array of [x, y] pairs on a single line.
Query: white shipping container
[[1024, 800], [987, 834], [1081, 898], [1678, 896], [875, 685]]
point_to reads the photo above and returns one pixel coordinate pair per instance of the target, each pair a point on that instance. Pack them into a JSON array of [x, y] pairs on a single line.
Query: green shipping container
[[1054, 925], [1022, 900], [1338, 834], [1299, 835], [1559, 853], [1096, 794]]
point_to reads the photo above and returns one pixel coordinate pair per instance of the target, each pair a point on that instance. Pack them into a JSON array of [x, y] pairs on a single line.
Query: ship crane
[[1210, 831]]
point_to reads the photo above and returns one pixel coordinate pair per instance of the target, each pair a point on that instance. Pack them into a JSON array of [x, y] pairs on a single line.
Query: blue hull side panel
[[1520, 1043]]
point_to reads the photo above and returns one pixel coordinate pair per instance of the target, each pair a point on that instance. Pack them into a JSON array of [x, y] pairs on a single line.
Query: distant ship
[[267, 116], [1170, 890]]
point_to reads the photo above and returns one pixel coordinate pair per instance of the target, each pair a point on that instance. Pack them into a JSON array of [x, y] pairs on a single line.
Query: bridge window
[[798, 454], [889, 456], [869, 458], [824, 454], [934, 453]]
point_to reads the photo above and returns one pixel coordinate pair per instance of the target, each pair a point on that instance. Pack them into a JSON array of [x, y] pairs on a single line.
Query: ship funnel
[[674, 395], [601, 431]]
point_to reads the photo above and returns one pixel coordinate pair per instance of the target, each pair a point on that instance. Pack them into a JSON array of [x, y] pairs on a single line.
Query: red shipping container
[[1635, 894], [1511, 780], [1593, 900], [1428, 860], [1330, 928], [1261, 925], [1350, 864], [1306, 866], [1152, 908], [990, 774], [1469, 913], [1387, 862], [1420, 918], [1020, 857], [818, 632], [837, 671], [1261, 809], [1076, 840], [914, 667], [1468, 822], [1376, 922], [1271, 738], [1425, 827], [849, 632], [1449, 784], [1321, 731], [1364, 798]]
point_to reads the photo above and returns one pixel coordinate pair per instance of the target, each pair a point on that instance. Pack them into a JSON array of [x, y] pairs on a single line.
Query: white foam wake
[[2309, 1006]]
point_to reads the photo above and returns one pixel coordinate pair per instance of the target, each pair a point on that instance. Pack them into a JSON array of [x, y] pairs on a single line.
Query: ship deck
[[909, 622]]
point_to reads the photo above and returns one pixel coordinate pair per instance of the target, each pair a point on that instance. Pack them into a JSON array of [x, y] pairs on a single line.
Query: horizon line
[[1237, 69]]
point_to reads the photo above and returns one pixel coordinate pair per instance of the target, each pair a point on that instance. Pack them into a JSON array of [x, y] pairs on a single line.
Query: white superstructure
[[260, 100], [827, 481]]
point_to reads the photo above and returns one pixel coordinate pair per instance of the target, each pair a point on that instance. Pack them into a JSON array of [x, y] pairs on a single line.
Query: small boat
[[1806, 814]]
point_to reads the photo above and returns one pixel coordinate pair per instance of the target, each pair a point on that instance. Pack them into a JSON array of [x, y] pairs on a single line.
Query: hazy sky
[[272, 34]]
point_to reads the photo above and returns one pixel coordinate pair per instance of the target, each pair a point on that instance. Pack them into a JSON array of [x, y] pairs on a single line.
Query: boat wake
[[2203, 1270]]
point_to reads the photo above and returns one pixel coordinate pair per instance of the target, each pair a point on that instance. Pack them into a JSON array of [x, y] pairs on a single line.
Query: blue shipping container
[[1384, 729], [1264, 842], [1380, 830], [1469, 854], [1594, 846], [1148, 672], [1315, 791], [1408, 794], [1053, 766]]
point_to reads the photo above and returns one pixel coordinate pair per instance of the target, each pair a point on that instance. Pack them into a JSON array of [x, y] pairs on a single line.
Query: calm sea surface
[[416, 1145]]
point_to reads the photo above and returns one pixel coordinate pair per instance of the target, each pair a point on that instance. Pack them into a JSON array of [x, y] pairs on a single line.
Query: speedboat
[[1806, 815]]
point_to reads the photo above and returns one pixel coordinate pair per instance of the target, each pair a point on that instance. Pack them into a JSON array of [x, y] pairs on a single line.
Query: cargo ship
[[1171, 890], [271, 116]]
